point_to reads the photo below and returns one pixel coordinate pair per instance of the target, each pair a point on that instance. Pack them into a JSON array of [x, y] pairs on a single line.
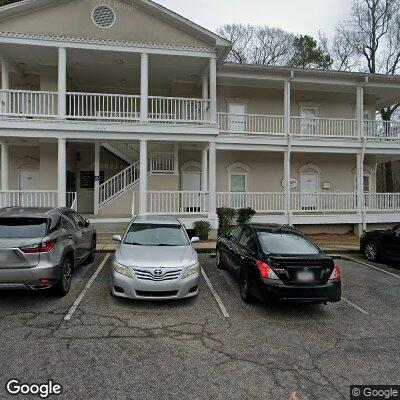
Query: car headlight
[[192, 270], [122, 269]]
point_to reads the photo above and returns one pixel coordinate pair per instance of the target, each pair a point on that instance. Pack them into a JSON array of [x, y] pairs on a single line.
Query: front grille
[[151, 275], [143, 293]]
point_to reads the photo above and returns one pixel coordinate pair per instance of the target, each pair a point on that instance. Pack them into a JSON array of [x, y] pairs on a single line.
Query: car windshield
[[23, 228], [286, 243], [156, 235]]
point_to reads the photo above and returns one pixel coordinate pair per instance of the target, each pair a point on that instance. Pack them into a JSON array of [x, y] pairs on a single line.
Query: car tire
[[218, 260], [64, 285], [92, 255], [371, 251], [244, 286]]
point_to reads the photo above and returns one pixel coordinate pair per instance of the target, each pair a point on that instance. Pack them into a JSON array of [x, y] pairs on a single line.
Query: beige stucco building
[[124, 107]]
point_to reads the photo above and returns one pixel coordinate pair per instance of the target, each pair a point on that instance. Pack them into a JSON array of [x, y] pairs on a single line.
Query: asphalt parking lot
[[193, 349]]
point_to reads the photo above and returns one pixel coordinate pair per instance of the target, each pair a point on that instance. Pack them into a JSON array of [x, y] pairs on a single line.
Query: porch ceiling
[[106, 70]]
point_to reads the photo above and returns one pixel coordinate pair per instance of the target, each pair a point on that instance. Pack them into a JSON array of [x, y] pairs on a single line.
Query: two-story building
[[123, 107]]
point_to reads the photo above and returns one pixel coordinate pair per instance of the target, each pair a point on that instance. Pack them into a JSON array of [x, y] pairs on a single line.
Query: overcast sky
[[305, 16]]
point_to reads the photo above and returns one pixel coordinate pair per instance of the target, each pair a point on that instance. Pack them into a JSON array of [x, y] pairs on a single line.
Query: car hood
[[160, 257]]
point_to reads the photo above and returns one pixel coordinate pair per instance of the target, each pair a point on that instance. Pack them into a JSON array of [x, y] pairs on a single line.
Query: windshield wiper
[[166, 245]]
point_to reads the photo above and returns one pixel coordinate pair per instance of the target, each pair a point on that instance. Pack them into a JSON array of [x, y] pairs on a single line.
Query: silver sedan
[[155, 261]]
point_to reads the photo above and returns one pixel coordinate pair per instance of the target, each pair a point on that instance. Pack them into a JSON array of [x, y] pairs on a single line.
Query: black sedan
[[381, 244], [277, 263]]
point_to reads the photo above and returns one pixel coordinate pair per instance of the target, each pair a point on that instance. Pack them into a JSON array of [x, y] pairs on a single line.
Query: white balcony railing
[[323, 202], [382, 202], [177, 202], [99, 106], [27, 103], [260, 202], [35, 198], [177, 109], [162, 162], [382, 130], [251, 124], [325, 127]]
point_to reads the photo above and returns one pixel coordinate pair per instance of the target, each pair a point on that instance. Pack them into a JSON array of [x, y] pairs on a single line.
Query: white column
[[62, 82], [360, 190], [96, 192], [212, 181], [287, 154], [62, 172], [287, 157], [213, 90], [176, 158], [5, 76], [204, 170], [144, 87], [360, 111], [204, 86], [143, 178], [5, 162]]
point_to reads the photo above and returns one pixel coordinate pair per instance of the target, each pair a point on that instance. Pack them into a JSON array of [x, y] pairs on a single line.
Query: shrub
[[202, 229], [225, 217], [245, 215]]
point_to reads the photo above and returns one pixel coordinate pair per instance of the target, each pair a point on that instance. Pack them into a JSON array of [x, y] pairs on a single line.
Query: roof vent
[[103, 16]]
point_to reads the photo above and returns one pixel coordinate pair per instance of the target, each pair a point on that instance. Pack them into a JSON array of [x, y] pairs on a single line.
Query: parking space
[[116, 349]]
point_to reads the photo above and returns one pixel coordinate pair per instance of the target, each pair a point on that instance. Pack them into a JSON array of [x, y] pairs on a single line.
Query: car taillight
[[266, 271], [43, 247], [336, 273]]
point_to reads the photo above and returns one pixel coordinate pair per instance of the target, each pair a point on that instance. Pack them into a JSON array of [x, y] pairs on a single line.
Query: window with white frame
[[237, 117], [308, 120]]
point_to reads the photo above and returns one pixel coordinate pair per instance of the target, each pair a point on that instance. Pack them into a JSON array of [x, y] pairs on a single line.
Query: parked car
[[381, 244], [277, 263], [155, 261], [39, 248]]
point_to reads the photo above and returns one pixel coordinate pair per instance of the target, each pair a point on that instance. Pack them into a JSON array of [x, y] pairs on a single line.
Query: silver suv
[[39, 248]]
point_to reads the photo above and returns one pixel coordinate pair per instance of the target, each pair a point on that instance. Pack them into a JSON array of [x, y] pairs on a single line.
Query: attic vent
[[103, 16]]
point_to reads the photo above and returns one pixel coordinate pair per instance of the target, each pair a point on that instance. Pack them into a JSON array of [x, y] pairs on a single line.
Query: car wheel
[[64, 285], [92, 255], [371, 251], [218, 260], [244, 284]]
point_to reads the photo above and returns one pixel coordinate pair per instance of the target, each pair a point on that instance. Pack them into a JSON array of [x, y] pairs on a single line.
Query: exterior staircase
[[125, 151]]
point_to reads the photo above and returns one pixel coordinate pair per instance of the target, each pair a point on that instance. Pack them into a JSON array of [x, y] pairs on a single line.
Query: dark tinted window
[[79, 221], [286, 243], [156, 235], [67, 224], [245, 239], [234, 233], [23, 227]]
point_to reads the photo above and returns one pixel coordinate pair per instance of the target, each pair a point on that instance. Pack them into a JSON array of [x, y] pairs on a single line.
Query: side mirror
[[117, 238], [194, 239], [87, 223]]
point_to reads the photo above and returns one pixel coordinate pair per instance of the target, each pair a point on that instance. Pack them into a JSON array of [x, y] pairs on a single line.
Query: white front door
[[191, 182], [237, 119], [308, 191], [28, 181], [308, 121]]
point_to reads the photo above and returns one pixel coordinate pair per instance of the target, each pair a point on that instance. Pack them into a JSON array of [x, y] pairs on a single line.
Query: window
[[234, 233], [246, 240], [308, 121], [237, 117], [238, 182], [103, 16], [23, 228], [156, 235], [286, 243], [367, 183], [79, 221], [67, 223]]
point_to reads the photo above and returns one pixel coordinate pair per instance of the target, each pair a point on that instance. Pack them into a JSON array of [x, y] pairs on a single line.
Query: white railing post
[[143, 178], [212, 209], [62, 82], [213, 90], [62, 172], [5, 162], [144, 87], [96, 197]]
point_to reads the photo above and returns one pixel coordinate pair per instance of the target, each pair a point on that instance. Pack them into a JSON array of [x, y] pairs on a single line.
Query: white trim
[[303, 169], [238, 165], [371, 174], [190, 164]]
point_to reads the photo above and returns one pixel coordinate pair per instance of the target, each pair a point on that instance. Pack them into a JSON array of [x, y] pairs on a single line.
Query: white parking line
[[358, 308], [215, 294], [371, 266], [85, 289]]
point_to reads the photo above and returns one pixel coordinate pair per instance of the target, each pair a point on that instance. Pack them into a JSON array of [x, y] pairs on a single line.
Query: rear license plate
[[305, 276]]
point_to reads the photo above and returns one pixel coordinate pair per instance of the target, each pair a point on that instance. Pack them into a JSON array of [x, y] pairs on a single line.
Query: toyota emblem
[[157, 272]]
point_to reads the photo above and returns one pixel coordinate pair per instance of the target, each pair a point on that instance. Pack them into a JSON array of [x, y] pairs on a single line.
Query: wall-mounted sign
[[293, 183], [88, 179]]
